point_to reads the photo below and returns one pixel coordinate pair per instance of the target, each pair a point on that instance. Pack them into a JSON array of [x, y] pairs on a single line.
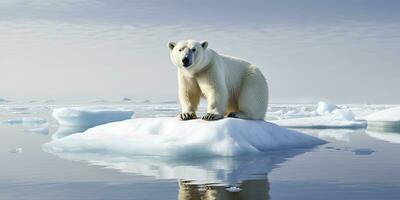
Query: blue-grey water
[[353, 165]]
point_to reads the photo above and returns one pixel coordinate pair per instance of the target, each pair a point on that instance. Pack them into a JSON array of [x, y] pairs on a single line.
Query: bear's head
[[189, 55]]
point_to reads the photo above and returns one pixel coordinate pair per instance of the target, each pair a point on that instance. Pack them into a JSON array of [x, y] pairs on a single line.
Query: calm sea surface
[[355, 164]]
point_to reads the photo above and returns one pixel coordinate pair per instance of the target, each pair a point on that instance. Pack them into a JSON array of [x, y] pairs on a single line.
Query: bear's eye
[[180, 49], [193, 49]]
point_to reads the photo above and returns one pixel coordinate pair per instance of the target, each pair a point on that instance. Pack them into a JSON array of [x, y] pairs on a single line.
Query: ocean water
[[355, 164]]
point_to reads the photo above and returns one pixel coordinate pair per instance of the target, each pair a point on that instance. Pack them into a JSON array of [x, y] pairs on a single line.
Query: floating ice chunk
[[328, 121], [17, 109], [90, 116], [364, 151], [172, 137], [387, 120], [325, 108], [233, 189], [26, 121], [330, 116]]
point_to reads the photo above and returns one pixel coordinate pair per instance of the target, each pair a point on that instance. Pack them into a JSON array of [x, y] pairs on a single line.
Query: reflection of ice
[[30, 124], [64, 131], [392, 137], [249, 189], [42, 129], [223, 170], [363, 151], [26, 121]]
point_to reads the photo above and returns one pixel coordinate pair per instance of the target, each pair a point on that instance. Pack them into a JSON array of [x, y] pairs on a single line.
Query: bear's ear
[[171, 45], [204, 44]]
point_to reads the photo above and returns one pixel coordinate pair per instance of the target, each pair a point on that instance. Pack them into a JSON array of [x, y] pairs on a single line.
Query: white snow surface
[[387, 115], [328, 116], [90, 116], [172, 137]]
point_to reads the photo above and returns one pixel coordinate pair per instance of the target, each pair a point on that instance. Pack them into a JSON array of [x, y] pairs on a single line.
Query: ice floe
[[172, 137], [387, 120], [90, 116], [328, 116]]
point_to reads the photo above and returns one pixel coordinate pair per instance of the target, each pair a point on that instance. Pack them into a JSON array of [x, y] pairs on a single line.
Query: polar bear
[[232, 87]]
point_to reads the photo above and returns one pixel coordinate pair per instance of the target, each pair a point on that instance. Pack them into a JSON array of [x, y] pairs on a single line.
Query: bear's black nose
[[186, 62]]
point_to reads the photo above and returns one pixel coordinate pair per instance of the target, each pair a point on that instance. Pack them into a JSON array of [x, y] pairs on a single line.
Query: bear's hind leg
[[253, 97]]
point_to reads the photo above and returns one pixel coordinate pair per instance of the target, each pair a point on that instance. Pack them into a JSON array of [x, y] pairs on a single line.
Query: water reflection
[[386, 131], [200, 178], [392, 137], [222, 170], [248, 189]]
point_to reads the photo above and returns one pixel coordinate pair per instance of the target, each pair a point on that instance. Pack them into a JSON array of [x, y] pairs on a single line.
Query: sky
[[343, 51]]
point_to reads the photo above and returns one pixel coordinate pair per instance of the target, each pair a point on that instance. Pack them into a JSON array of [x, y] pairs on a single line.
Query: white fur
[[229, 84]]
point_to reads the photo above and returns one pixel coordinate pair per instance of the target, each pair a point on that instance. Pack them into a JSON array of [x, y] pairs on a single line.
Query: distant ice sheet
[[327, 116], [172, 137], [90, 116]]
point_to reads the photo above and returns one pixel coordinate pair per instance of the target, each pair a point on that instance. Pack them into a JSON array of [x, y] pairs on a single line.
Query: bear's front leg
[[189, 97], [216, 105]]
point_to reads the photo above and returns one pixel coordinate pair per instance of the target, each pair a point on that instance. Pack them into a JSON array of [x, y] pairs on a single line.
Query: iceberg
[[175, 138], [90, 116], [387, 120], [329, 116]]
